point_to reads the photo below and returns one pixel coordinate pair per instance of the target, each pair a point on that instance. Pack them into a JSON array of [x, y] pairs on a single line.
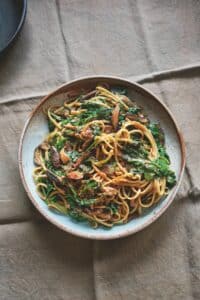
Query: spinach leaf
[[51, 125], [49, 188], [113, 207], [162, 151], [90, 105], [135, 150], [58, 142], [171, 179], [89, 187], [74, 200], [96, 130], [94, 111], [76, 215], [134, 110], [157, 168], [157, 133], [73, 155], [71, 120], [121, 119], [90, 184], [59, 172]]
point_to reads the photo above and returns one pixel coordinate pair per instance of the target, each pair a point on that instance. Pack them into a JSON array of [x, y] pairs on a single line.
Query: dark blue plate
[[12, 15]]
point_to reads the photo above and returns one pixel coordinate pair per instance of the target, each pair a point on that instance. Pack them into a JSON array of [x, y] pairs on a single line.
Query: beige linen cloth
[[154, 42]]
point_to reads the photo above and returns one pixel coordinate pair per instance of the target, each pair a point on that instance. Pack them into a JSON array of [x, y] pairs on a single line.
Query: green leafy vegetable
[[75, 200], [90, 186], [134, 110], [113, 207], [135, 150], [59, 172], [49, 188], [90, 105], [73, 155], [121, 119], [56, 117], [76, 215], [58, 142], [162, 151], [51, 125], [94, 111], [96, 130], [157, 168], [157, 132]]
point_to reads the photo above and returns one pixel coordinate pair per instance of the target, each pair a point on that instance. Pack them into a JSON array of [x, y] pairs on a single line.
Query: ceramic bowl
[[36, 129], [12, 16]]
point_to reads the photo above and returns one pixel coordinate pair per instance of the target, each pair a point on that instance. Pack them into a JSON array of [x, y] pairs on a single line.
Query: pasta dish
[[103, 161]]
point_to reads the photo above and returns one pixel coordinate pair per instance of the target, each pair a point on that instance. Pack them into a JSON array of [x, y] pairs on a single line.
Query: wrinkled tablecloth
[[156, 43]]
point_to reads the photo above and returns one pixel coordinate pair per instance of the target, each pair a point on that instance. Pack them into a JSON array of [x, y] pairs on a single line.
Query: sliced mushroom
[[44, 146], [143, 119], [131, 117], [88, 95], [63, 156], [75, 175], [115, 116], [55, 157], [37, 157], [127, 101]]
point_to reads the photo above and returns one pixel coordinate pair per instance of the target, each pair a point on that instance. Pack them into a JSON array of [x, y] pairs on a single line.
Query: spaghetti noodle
[[103, 160]]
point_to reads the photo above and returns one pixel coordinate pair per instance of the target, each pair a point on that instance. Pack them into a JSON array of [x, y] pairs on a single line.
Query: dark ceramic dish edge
[[19, 27]]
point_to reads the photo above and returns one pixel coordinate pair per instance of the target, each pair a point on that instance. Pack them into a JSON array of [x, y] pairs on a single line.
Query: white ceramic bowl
[[36, 129]]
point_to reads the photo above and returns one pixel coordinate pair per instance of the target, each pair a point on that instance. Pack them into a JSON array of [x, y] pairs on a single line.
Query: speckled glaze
[[36, 129]]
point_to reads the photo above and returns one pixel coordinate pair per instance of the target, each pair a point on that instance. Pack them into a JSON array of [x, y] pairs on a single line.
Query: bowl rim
[[128, 231]]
